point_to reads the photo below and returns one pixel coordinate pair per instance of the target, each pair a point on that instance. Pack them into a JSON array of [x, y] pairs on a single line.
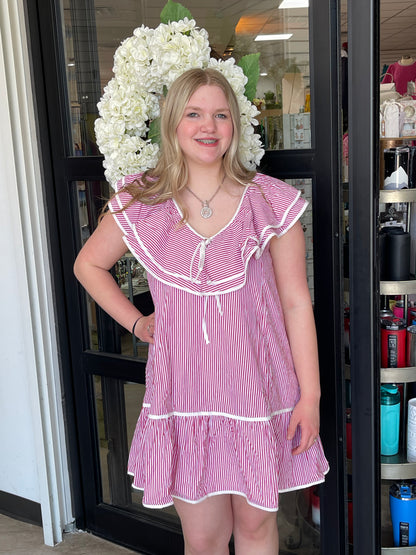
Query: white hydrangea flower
[[145, 65], [233, 73]]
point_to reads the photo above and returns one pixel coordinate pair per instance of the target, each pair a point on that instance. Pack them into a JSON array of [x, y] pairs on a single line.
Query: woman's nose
[[208, 124]]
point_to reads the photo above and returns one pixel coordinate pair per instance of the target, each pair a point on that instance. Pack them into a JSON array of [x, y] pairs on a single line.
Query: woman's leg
[[255, 530], [207, 525]]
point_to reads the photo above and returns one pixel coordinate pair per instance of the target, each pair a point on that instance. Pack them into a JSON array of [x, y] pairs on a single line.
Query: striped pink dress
[[220, 382]]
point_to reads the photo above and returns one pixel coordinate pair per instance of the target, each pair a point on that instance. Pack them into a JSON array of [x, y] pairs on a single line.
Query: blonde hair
[[170, 175]]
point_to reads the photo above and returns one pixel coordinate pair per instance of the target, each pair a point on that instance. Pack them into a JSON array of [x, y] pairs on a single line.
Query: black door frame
[[320, 163], [363, 78]]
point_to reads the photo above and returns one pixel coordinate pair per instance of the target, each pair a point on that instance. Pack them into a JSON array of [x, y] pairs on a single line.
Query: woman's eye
[[222, 116], [192, 115]]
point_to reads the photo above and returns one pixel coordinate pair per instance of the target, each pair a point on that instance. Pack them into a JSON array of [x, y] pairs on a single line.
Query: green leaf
[[251, 67], [154, 131], [173, 11]]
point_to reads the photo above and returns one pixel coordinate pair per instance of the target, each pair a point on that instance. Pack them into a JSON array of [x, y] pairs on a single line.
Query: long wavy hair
[[170, 175]]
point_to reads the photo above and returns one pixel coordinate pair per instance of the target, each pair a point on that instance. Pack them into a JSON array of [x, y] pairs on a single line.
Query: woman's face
[[206, 128]]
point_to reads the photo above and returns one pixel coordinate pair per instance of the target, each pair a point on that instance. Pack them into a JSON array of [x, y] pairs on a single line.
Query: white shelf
[[396, 467], [407, 287], [398, 375], [399, 550], [397, 195]]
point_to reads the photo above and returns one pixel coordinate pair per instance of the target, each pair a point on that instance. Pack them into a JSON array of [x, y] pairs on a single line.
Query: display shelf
[[396, 467], [390, 375], [399, 139], [398, 375], [407, 287], [399, 550], [397, 195]]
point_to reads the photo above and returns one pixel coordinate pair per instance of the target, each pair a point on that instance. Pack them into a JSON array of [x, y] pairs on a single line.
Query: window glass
[[118, 405], [277, 29], [305, 187]]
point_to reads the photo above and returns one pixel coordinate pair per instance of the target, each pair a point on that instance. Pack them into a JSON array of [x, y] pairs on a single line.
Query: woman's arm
[[288, 255], [96, 258]]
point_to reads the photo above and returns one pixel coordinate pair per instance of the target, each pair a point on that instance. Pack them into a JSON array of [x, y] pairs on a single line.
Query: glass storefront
[[278, 31], [109, 373], [281, 35]]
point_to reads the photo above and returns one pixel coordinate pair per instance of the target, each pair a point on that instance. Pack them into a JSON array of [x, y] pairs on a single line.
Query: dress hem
[[225, 492]]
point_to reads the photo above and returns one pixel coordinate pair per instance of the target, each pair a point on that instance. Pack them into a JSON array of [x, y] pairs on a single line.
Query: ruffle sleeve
[[125, 214], [276, 207], [177, 255]]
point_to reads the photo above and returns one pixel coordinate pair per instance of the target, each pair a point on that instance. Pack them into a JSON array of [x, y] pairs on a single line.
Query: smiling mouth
[[207, 141]]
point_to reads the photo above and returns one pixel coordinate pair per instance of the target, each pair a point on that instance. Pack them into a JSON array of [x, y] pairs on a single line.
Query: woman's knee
[[204, 542], [251, 522]]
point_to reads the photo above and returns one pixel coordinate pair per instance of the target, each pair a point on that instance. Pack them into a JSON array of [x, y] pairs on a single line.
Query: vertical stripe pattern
[[220, 382]]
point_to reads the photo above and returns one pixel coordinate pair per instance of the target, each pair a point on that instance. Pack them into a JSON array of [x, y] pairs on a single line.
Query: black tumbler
[[398, 254]]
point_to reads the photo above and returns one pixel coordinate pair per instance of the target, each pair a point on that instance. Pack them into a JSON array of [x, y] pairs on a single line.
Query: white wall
[[33, 462]]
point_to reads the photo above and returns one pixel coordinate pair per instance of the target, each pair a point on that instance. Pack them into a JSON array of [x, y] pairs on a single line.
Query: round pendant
[[206, 211]]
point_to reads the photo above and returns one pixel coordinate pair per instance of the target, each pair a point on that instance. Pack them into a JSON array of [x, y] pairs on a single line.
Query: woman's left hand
[[306, 416]]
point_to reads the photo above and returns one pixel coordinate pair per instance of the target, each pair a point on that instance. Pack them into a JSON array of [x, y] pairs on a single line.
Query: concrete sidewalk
[[20, 538]]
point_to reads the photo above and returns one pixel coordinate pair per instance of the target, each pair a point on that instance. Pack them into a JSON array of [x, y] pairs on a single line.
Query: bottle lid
[[404, 490], [393, 323], [390, 394]]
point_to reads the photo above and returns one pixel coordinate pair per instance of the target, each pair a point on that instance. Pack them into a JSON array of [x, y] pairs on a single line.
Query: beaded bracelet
[[134, 325]]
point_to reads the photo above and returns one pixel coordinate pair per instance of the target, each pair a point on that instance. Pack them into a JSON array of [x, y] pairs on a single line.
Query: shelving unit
[[396, 467]]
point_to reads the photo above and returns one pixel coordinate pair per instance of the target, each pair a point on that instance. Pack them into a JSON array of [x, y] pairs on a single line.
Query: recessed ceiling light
[[274, 37], [294, 4]]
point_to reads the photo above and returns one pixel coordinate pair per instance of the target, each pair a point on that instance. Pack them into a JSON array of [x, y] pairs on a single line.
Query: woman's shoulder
[[128, 182], [127, 206], [269, 188], [274, 204]]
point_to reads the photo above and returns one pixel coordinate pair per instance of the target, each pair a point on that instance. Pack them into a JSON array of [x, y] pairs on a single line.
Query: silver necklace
[[206, 210]]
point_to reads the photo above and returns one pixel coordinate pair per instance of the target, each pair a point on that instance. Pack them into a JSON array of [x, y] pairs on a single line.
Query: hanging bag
[[388, 91]]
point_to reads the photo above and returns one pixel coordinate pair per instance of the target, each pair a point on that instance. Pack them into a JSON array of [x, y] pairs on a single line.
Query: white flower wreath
[[145, 65]]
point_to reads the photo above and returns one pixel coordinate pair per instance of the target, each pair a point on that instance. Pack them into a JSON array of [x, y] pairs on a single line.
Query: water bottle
[[403, 513], [390, 419]]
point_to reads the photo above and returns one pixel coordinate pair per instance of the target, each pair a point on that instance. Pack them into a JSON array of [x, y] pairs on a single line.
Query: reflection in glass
[[117, 410], [305, 187], [94, 30]]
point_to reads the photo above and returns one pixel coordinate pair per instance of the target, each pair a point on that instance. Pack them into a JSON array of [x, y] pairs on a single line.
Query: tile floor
[[20, 538]]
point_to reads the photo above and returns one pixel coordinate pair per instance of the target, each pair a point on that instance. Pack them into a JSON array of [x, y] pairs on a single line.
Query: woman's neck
[[202, 178]]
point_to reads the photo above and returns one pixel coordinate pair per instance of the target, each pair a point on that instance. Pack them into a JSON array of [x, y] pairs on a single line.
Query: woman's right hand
[[145, 328]]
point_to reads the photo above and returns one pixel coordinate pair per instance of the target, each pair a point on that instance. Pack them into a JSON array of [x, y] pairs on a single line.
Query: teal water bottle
[[390, 419]]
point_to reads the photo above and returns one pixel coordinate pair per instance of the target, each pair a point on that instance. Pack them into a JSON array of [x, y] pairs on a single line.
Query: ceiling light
[[274, 37], [294, 4]]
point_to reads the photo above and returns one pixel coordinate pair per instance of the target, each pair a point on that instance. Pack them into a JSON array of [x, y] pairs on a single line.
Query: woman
[[231, 411]]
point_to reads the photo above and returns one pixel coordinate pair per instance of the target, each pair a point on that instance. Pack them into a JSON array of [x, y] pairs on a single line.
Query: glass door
[[104, 371]]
